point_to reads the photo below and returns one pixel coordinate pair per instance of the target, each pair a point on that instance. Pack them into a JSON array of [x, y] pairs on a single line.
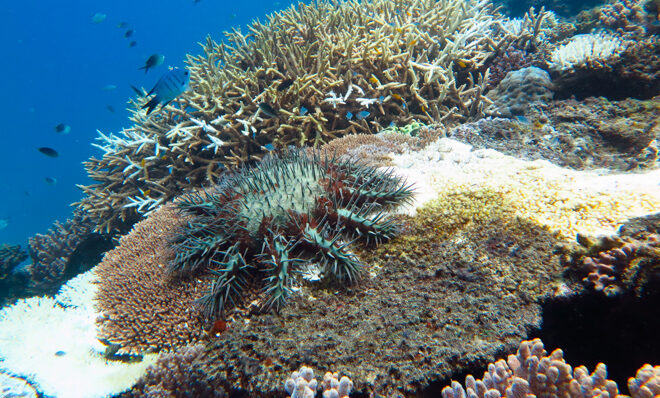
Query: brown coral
[[530, 373], [462, 282], [142, 309], [312, 64], [631, 264], [65, 251], [174, 376]]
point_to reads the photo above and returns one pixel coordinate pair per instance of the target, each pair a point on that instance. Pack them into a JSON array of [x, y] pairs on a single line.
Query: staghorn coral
[[65, 251], [142, 309], [532, 373], [312, 64], [260, 226]]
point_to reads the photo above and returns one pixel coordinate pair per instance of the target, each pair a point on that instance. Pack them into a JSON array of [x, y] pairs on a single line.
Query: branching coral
[[530, 373], [264, 222], [65, 251], [629, 264], [311, 65]]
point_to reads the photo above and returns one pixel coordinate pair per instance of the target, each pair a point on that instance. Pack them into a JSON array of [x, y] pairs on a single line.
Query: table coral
[[141, 309]]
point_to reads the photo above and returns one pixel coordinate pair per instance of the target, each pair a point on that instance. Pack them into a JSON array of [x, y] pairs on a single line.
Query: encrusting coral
[[532, 373], [298, 79], [263, 224]]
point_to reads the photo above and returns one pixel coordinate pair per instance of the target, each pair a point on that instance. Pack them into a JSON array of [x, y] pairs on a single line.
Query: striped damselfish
[[168, 87]]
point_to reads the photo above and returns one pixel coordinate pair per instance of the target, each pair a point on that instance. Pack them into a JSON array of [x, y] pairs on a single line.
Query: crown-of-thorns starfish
[[262, 224]]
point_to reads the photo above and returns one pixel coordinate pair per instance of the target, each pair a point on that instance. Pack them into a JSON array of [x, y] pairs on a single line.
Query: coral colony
[[265, 223], [383, 62]]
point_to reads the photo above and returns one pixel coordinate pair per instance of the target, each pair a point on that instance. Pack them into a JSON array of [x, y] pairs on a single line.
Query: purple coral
[[607, 272]]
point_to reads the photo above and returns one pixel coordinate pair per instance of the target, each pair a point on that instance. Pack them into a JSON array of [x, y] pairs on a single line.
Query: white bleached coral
[[587, 50], [566, 201], [52, 343]]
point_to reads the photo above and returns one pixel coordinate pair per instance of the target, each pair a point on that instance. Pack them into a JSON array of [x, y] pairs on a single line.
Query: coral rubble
[[311, 67], [261, 225]]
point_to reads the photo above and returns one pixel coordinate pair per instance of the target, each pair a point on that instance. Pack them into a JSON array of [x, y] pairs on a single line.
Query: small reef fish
[[153, 61], [132, 44], [285, 84], [50, 180], [110, 108], [303, 111], [168, 87], [50, 152], [63, 129], [362, 115], [109, 87], [349, 115], [98, 17], [267, 109], [129, 33], [4, 223], [60, 353], [122, 25]]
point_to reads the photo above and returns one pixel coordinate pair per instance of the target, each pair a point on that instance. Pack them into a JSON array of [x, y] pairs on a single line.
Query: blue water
[[56, 63]]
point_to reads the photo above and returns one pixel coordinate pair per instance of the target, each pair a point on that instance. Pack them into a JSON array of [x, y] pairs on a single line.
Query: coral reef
[[142, 309], [65, 251], [509, 60], [614, 264], [10, 257], [371, 149], [261, 225], [302, 384], [51, 342], [519, 90], [646, 382], [12, 282], [309, 66], [14, 387], [174, 376], [460, 283], [532, 373], [617, 54], [591, 134]]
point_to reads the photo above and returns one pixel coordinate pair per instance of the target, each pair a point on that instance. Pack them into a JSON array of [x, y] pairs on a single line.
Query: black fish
[[110, 108], [267, 109], [132, 44], [285, 84], [50, 152], [129, 33], [62, 128]]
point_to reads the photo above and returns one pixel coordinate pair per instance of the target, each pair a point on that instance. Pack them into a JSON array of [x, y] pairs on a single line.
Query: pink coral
[[530, 373]]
